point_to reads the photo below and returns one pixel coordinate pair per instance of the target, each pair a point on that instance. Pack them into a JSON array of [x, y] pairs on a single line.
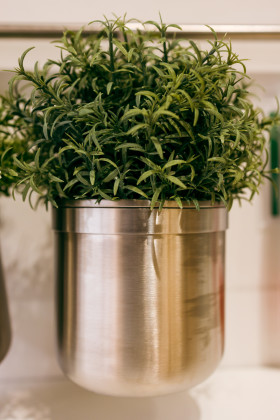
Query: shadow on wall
[[270, 286], [67, 401], [26, 250]]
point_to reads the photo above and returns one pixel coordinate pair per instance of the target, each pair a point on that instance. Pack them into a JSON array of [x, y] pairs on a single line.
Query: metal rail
[[188, 31]]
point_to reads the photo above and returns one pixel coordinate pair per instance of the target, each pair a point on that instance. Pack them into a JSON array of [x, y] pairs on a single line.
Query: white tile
[[26, 249], [253, 244], [239, 394], [243, 246], [33, 349], [242, 328], [270, 326], [252, 327]]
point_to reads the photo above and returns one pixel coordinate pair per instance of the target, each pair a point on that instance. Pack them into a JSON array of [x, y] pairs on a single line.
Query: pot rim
[[134, 203]]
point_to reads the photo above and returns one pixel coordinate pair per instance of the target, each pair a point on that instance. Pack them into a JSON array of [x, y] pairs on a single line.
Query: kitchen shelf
[[231, 394], [51, 30]]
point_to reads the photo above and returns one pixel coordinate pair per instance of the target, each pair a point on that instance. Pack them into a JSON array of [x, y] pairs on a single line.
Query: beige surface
[[242, 394]]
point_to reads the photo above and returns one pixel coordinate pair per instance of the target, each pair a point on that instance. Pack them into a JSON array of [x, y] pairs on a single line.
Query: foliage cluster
[[134, 114], [10, 144]]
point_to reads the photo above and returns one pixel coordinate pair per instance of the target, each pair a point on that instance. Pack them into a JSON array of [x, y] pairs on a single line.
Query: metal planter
[[140, 294], [5, 329]]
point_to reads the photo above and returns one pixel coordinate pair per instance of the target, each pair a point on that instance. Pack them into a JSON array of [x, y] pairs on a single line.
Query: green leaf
[[21, 165], [151, 22], [54, 178], [70, 184], [116, 186], [147, 93], [36, 159], [197, 51], [111, 175], [156, 196], [187, 96], [159, 71], [215, 113], [33, 185], [130, 54], [145, 175], [45, 130], [12, 172], [21, 59], [131, 113], [179, 201], [120, 46], [104, 195], [176, 181], [158, 147], [85, 111], [82, 179], [60, 190], [174, 26], [110, 162], [109, 87], [150, 163], [196, 204], [136, 128], [78, 169], [196, 116], [92, 177], [132, 146], [172, 163], [25, 191], [4, 153], [92, 135], [136, 190], [192, 172], [161, 112]]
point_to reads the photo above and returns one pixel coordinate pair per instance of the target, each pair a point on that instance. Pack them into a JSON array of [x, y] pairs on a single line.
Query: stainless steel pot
[[140, 294], [5, 330]]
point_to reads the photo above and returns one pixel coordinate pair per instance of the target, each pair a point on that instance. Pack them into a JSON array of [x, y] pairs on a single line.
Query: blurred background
[[253, 238]]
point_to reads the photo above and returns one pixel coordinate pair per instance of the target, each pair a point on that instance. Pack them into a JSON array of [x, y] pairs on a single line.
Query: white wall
[[177, 11]]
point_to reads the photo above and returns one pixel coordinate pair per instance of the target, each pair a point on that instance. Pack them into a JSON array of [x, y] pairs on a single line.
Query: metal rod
[[46, 30]]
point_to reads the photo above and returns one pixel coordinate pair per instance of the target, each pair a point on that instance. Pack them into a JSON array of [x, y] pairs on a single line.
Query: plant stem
[[111, 53], [163, 35], [165, 56]]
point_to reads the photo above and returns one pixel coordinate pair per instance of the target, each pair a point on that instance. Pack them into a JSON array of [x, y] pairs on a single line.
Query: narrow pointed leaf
[[145, 175], [136, 190], [176, 181], [173, 162]]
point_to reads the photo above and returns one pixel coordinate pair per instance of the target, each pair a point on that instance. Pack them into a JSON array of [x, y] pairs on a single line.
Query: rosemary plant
[[133, 115], [10, 144]]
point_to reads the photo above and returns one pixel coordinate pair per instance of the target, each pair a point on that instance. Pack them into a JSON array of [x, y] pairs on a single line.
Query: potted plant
[[7, 180], [141, 144]]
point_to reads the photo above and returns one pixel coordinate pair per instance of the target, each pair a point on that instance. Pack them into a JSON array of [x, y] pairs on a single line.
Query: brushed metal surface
[[140, 296], [5, 330]]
